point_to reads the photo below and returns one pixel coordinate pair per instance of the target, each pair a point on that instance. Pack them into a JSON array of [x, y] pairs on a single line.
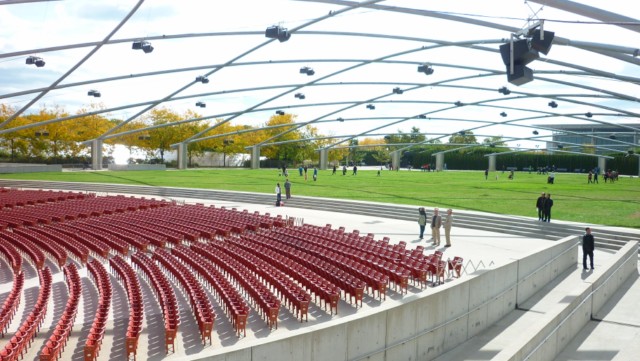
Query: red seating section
[[243, 258], [11, 303], [267, 304], [164, 293], [200, 304], [232, 302], [96, 334], [125, 273], [58, 340], [21, 340]]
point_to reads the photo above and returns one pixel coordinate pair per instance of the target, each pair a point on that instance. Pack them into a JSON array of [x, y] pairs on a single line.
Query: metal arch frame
[[215, 70], [465, 19], [586, 11], [76, 66]]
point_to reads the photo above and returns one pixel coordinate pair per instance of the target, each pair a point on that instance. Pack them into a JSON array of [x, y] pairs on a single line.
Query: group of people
[[436, 223], [544, 204]]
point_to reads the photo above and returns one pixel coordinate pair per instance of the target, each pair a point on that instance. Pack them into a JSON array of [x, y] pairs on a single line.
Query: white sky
[[28, 27]]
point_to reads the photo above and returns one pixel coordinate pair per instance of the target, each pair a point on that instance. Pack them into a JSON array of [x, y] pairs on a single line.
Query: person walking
[[540, 206], [486, 174], [315, 174], [355, 169], [278, 195], [422, 220], [436, 223], [448, 222], [546, 213], [588, 245], [344, 169], [334, 170], [287, 188]]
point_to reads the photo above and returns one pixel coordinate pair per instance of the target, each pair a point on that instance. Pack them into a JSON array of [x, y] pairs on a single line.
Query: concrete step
[[497, 337], [614, 332]]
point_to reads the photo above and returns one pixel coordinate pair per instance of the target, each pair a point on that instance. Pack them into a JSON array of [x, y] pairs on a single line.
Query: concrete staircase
[[523, 226]]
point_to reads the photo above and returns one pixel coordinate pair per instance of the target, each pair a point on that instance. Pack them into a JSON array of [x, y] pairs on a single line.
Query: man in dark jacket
[[548, 203], [588, 244], [540, 206]]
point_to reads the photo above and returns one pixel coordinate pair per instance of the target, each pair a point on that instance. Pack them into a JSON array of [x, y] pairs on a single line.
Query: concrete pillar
[[96, 154], [395, 159], [492, 163], [324, 158], [602, 164], [182, 155], [439, 162], [255, 157]]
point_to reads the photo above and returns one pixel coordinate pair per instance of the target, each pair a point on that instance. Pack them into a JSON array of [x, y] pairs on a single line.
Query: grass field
[[615, 204]]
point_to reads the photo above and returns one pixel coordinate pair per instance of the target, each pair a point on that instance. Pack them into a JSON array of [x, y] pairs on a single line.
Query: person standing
[[548, 203], [315, 174], [278, 195], [595, 174], [436, 223], [448, 222], [355, 169], [588, 245], [540, 206], [344, 169], [486, 174], [422, 220], [287, 188], [334, 170], [305, 172]]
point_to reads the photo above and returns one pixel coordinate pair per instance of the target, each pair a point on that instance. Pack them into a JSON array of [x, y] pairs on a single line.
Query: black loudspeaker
[[521, 75], [523, 54], [272, 32], [542, 45]]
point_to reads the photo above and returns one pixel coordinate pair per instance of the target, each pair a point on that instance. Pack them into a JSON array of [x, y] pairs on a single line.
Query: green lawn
[[615, 204]]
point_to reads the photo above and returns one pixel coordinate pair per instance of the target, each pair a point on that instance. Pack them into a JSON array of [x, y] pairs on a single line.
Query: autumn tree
[[463, 137]]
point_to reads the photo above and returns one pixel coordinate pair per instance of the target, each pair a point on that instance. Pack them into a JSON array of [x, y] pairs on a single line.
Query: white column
[[395, 159], [439, 162], [255, 157], [96, 154], [182, 155], [492, 163], [324, 158], [602, 164]]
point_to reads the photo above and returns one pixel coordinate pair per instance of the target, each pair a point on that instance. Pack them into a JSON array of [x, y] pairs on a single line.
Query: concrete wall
[[30, 168], [557, 327], [122, 167], [424, 326]]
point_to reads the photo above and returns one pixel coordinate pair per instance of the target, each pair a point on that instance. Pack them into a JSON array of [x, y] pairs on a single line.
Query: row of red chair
[[86, 232], [393, 271], [351, 285], [232, 302], [11, 303], [147, 238], [21, 340], [108, 230], [375, 280], [53, 248], [10, 198], [267, 304], [79, 250], [313, 282], [294, 296], [125, 273], [26, 247], [200, 303], [54, 346], [103, 282], [164, 294], [11, 255], [136, 222], [98, 247]]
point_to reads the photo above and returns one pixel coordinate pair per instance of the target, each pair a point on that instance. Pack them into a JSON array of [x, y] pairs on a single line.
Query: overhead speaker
[[542, 45], [523, 53], [521, 75]]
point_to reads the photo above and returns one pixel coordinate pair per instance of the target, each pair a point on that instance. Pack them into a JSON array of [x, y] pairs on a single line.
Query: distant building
[[612, 133]]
